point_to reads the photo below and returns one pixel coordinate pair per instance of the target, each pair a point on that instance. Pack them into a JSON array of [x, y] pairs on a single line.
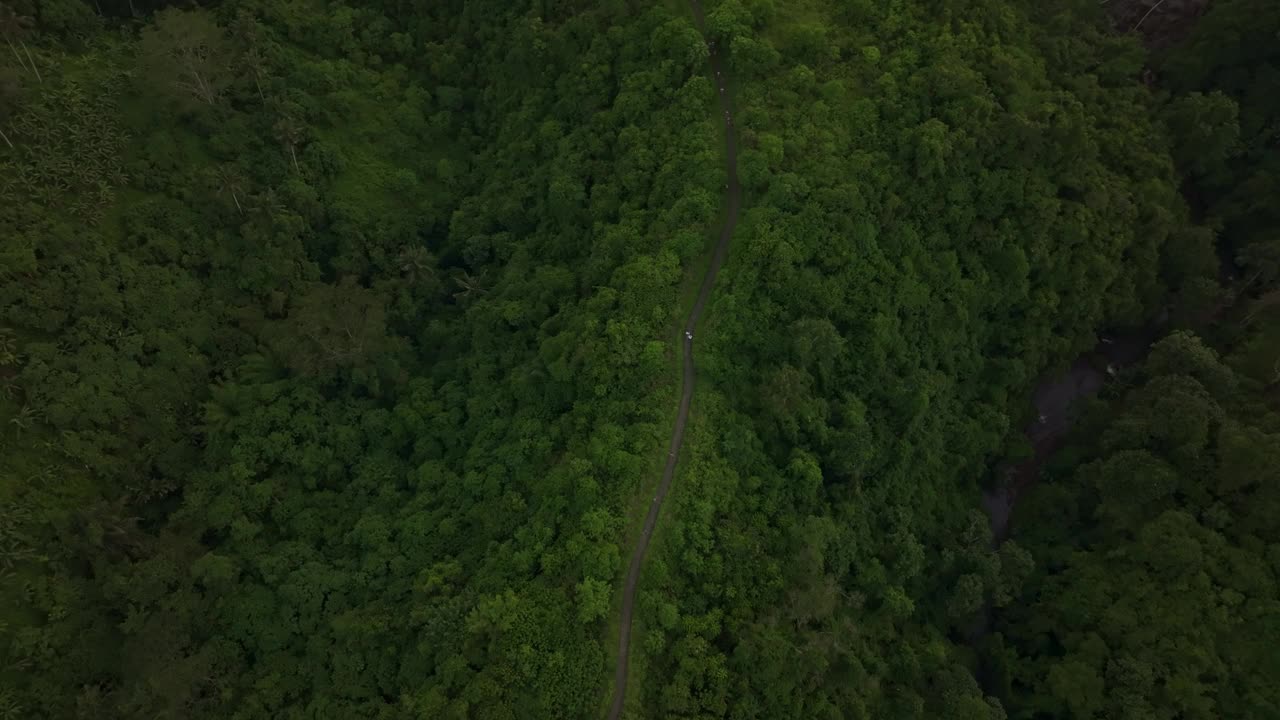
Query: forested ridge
[[339, 352]]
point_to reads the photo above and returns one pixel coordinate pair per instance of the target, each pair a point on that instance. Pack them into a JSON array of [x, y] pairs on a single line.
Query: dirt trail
[[734, 196]]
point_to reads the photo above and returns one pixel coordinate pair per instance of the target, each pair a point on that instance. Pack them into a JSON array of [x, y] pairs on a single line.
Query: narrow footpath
[[734, 196]]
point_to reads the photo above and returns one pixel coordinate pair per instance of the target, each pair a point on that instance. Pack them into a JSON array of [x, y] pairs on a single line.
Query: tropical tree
[[334, 326], [187, 52], [469, 285], [1206, 131], [247, 33], [230, 181], [290, 132], [13, 26], [417, 263]]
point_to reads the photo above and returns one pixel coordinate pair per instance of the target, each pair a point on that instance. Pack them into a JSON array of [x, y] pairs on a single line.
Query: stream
[[1054, 396]]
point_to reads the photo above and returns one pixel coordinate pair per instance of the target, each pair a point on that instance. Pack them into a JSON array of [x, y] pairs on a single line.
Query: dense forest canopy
[[339, 348], [1155, 592]]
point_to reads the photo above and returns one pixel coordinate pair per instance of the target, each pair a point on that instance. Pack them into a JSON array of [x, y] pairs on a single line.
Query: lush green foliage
[[1156, 589], [335, 342], [1223, 115], [945, 201], [335, 352]]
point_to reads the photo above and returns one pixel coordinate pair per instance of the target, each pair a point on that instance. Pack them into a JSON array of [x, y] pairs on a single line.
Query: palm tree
[[23, 420], [231, 182], [290, 132], [268, 203], [256, 63], [13, 25], [8, 347], [217, 417], [48, 195], [416, 263], [245, 30], [470, 284], [258, 369], [103, 191]]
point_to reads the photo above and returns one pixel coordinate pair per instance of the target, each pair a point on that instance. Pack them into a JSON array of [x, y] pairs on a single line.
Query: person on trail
[[688, 334], [1043, 419]]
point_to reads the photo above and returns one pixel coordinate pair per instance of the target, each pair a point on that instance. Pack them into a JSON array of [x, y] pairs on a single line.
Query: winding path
[[734, 194]]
